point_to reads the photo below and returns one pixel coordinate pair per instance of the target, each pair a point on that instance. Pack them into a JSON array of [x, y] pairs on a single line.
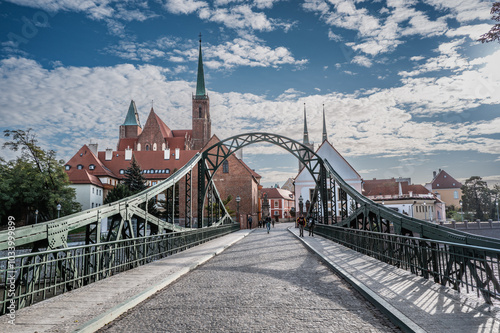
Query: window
[[92, 190], [152, 171], [147, 147], [225, 166], [167, 170], [455, 195], [91, 167], [437, 185], [92, 205], [276, 203], [79, 167], [122, 171], [199, 111], [67, 167]]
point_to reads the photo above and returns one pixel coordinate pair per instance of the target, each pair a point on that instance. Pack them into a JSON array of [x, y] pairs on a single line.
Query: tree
[[494, 33], [476, 197], [135, 180], [34, 181], [119, 192]]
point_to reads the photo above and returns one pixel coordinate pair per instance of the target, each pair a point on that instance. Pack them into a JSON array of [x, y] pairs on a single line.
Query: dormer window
[[79, 167], [67, 167], [91, 167], [122, 171]]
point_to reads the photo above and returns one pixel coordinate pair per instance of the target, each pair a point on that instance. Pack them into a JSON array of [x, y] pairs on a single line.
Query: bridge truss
[[335, 205]]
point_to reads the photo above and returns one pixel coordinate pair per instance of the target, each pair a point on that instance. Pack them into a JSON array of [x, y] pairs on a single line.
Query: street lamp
[[425, 211], [58, 210], [301, 204], [36, 216], [498, 219], [308, 205], [462, 212], [238, 199]]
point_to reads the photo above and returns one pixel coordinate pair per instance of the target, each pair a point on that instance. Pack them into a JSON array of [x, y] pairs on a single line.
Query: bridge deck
[[417, 303]]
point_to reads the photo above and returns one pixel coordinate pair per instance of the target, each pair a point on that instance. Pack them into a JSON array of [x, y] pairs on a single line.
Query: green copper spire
[[132, 116], [325, 136], [306, 134], [200, 82]]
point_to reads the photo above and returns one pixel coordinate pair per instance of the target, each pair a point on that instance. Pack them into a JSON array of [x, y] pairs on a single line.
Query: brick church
[[160, 151]]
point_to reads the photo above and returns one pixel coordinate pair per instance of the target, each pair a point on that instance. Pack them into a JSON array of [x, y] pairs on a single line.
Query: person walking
[[268, 224], [249, 220], [311, 225], [301, 221]]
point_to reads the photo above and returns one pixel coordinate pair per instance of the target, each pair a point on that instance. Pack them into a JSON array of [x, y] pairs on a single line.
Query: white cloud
[[362, 61]]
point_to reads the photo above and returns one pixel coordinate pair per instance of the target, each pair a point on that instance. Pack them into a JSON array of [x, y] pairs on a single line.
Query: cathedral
[[160, 151]]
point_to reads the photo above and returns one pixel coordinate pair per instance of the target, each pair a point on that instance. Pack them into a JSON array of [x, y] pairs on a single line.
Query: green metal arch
[[215, 155]]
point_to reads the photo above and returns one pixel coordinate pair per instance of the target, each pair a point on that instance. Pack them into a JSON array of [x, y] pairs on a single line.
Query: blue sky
[[405, 86]]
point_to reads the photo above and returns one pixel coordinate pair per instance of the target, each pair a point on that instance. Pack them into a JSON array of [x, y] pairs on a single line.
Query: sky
[[405, 86]]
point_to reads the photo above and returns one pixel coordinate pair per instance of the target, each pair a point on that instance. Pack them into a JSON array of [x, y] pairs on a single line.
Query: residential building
[[447, 188], [281, 202], [406, 198]]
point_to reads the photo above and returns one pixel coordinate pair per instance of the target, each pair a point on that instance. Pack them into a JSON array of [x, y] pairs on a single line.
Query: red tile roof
[[277, 193], [85, 157], [82, 176], [384, 187], [127, 143], [444, 180]]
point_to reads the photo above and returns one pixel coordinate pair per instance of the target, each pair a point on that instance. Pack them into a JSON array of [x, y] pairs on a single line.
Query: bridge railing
[[452, 264], [29, 278]]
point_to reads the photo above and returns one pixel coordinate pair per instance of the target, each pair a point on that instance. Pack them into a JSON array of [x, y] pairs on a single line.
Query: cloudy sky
[[405, 86]]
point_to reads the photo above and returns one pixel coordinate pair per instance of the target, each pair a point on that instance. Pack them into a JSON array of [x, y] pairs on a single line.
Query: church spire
[[132, 116], [325, 136], [200, 81], [306, 134]]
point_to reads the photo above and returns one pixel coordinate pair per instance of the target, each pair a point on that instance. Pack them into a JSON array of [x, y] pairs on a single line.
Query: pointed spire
[[200, 81], [132, 116], [325, 136], [306, 134]]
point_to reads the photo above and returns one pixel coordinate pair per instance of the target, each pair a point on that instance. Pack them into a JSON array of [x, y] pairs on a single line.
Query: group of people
[[266, 222], [301, 221]]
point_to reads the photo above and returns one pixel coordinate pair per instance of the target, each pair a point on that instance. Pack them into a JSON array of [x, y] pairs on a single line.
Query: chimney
[[93, 148], [177, 153], [433, 174], [166, 154], [128, 154], [239, 154], [410, 193], [109, 154]]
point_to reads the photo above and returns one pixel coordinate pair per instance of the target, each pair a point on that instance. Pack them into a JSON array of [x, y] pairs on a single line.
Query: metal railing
[[463, 267], [29, 278]]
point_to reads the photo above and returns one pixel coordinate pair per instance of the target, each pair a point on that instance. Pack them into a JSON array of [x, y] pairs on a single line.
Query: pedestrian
[[268, 224], [301, 221], [311, 225], [249, 220]]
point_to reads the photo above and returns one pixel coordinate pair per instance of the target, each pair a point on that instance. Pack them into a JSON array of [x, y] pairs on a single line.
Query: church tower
[[131, 128], [202, 125], [325, 136], [305, 139]]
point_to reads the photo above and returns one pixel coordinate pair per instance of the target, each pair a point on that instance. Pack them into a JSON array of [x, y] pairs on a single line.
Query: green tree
[[495, 198], [135, 180], [119, 192], [494, 33], [221, 210], [476, 197], [34, 181]]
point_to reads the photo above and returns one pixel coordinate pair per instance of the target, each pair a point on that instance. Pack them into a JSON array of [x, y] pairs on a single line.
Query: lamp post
[[36, 216], [462, 212], [238, 199], [301, 206], [58, 210], [308, 205], [425, 211], [498, 218]]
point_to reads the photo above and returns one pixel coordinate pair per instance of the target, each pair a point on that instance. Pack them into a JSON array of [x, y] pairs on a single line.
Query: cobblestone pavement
[[264, 283]]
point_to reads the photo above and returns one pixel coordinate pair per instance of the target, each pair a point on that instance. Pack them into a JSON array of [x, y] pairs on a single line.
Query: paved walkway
[[273, 297], [418, 304], [264, 283]]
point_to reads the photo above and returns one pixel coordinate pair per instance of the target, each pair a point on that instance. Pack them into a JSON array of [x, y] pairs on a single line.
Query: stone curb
[[110, 315], [395, 316]]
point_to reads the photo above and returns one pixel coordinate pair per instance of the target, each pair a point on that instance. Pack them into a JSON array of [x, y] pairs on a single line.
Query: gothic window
[[225, 167], [138, 147], [147, 147], [154, 146], [199, 111], [163, 146]]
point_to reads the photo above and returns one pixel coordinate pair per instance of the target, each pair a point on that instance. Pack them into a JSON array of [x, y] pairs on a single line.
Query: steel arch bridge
[[136, 236]]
